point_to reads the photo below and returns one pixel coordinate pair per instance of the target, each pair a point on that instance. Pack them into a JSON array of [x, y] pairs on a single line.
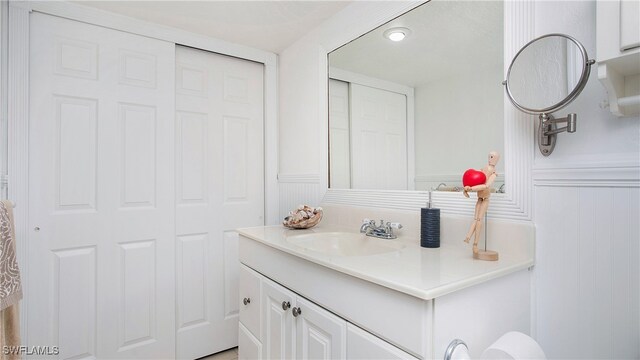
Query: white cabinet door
[[250, 300], [101, 257], [277, 323], [319, 333], [219, 187], [249, 347], [378, 137], [365, 346]]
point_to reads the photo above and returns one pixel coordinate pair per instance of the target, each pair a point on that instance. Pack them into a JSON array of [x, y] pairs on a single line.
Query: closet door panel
[[141, 74], [242, 122], [219, 179], [75, 306], [339, 123], [378, 133], [101, 146], [193, 279]]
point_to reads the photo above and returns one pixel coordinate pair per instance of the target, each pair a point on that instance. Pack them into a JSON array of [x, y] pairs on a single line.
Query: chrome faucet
[[383, 231], [366, 225]]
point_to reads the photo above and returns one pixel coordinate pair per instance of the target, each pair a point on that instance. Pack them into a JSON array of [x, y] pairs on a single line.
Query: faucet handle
[[395, 225]]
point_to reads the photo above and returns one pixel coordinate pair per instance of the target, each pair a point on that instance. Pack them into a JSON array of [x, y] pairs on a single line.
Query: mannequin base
[[488, 255]]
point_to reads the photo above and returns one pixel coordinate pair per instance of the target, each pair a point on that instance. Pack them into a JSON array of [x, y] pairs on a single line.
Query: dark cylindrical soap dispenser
[[430, 226]]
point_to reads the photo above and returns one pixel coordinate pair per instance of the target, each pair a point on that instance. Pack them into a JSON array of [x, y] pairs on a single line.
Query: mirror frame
[[516, 203]]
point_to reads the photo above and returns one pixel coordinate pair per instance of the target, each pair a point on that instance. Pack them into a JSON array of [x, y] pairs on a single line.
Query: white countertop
[[413, 270]]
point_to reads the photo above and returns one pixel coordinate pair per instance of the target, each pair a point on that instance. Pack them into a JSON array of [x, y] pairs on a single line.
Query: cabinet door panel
[[249, 347], [363, 345], [319, 333], [277, 323], [250, 313]]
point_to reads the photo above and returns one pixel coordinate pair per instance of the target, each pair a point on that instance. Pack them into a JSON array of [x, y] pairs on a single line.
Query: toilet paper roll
[[514, 345]]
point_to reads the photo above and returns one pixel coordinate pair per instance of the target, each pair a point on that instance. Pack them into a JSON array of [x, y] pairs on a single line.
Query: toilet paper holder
[[452, 347], [511, 345]]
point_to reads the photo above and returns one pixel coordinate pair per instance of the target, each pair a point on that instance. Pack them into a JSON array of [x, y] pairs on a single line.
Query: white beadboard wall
[[586, 212], [298, 189], [587, 281]]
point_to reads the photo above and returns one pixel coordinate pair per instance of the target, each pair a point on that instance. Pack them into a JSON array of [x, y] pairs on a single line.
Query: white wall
[[587, 278], [449, 114], [587, 287]]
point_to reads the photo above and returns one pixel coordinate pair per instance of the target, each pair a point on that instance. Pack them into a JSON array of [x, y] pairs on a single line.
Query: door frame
[[17, 100]]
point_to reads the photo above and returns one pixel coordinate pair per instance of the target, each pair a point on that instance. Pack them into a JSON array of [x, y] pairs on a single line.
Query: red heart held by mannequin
[[473, 177]]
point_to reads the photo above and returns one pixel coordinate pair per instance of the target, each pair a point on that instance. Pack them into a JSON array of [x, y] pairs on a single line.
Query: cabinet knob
[[286, 305], [246, 301], [296, 311]]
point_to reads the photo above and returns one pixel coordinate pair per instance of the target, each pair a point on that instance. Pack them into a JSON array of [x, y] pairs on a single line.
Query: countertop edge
[[412, 291]]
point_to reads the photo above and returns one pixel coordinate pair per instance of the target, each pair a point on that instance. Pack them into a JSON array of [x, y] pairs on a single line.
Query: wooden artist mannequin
[[484, 193]]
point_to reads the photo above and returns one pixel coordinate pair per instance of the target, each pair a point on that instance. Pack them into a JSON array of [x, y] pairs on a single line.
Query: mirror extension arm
[[571, 124], [547, 130]]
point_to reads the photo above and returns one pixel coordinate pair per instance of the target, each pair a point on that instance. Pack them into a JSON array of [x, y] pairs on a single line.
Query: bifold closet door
[[339, 135], [220, 187], [101, 280], [378, 136]]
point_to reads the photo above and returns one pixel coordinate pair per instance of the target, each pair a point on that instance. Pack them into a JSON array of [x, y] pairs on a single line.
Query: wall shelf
[[618, 54]]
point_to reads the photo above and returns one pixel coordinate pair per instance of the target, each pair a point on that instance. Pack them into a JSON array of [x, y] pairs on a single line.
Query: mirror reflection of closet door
[[339, 152], [378, 139]]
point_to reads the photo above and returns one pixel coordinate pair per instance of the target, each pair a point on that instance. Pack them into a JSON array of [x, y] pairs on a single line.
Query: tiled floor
[[231, 354]]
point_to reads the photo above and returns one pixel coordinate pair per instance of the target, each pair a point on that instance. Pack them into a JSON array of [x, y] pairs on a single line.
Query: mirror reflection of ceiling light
[[397, 33]]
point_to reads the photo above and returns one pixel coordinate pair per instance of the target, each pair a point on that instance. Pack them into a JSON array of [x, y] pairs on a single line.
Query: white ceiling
[[448, 37], [267, 25]]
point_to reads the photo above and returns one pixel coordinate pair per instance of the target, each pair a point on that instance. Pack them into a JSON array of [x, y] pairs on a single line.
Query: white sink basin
[[344, 244]]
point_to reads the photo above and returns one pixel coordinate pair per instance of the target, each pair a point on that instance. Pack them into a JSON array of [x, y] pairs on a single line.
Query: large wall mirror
[[415, 114]]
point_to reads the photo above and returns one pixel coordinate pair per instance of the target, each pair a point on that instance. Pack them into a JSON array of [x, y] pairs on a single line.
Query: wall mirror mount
[[546, 75]]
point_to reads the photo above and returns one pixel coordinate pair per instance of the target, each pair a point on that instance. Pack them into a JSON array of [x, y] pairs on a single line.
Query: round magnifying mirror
[[547, 74]]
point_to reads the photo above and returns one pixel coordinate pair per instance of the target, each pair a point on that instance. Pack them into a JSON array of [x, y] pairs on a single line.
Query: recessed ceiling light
[[397, 33]]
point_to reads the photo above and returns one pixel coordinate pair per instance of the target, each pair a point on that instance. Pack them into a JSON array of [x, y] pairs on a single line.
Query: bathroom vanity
[[331, 292]]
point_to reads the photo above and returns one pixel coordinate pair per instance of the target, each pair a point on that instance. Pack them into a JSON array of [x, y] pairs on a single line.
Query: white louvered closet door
[[101, 185], [220, 187]]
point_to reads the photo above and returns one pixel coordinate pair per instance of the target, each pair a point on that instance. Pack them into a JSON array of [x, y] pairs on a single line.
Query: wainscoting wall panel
[[587, 273], [297, 189]]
